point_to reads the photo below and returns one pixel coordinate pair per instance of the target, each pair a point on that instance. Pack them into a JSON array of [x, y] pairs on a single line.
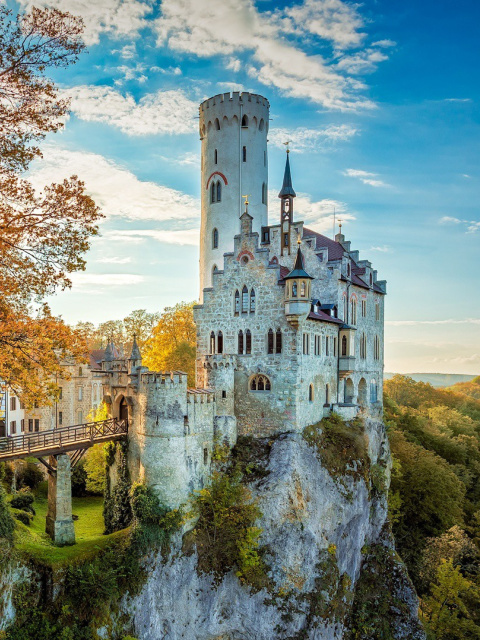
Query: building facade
[[290, 327]]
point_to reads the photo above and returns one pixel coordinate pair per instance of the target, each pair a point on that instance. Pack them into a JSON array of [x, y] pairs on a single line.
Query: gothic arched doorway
[[123, 410]]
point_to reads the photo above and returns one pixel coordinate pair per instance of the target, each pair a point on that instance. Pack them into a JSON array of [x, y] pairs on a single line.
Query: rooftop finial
[[246, 203], [340, 225], [286, 144]]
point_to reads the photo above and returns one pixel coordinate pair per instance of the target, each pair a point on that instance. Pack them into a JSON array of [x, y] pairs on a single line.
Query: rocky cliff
[[332, 571]]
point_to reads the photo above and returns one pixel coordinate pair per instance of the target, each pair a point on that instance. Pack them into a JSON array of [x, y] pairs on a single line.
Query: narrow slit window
[[244, 154], [219, 191], [220, 342], [248, 341]]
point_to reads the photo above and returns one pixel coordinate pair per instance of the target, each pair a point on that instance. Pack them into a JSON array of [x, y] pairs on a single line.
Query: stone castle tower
[[233, 131]]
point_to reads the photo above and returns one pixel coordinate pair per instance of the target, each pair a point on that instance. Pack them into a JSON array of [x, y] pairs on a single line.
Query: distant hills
[[438, 379]]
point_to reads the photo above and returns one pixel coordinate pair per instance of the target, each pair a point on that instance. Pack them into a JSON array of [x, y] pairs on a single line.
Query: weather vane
[[286, 144], [340, 225], [246, 200]]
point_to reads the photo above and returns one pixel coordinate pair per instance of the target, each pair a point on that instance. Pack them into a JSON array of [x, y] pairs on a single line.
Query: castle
[[289, 329]]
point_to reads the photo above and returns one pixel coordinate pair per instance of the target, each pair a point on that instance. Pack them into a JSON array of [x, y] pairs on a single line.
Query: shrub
[[79, 480], [341, 446], [23, 516], [30, 476], [225, 534], [7, 525], [23, 500]]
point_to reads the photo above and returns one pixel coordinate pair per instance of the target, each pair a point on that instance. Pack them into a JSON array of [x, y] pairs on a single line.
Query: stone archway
[[349, 391], [362, 392]]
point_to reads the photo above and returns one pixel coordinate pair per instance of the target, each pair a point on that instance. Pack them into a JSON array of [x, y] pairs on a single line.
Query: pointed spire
[[109, 352], [298, 270], [287, 188], [135, 354]]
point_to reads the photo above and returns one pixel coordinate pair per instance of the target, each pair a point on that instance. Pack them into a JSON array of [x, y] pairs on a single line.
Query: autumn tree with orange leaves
[[43, 235]]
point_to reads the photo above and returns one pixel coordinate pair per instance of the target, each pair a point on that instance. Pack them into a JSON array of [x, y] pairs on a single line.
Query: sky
[[380, 101]]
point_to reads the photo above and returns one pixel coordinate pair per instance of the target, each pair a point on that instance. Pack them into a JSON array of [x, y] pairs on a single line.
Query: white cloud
[[384, 249], [472, 225], [156, 113], [234, 64], [303, 139], [115, 260], [115, 18], [363, 62], [179, 236], [225, 27], [384, 43], [331, 20], [366, 177], [114, 188]]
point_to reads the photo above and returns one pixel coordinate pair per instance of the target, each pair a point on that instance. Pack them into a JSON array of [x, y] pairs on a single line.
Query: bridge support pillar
[[60, 525]]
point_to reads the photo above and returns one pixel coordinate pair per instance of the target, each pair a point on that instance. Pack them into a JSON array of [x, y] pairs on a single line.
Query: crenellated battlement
[[163, 377], [200, 396], [226, 109], [234, 97]]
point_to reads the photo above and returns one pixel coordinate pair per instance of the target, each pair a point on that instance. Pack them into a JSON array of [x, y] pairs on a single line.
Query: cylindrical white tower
[[233, 131]]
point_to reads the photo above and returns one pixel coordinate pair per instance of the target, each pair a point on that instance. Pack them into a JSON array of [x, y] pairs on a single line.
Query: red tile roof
[[284, 271], [324, 317], [335, 249]]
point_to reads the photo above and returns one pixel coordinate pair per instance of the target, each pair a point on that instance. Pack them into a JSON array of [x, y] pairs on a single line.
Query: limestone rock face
[[318, 531]]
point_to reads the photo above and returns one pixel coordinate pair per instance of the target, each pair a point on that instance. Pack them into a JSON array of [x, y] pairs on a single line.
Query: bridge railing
[[45, 440]]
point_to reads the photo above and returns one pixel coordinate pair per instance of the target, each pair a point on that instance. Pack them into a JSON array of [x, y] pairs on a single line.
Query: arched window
[[302, 289], [244, 300], [264, 193], [213, 192], [364, 308], [79, 416], [240, 342], [219, 191], [363, 346], [212, 343], [371, 279], [344, 346], [217, 124], [252, 301], [237, 302], [294, 289], [345, 308], [270, 337], [220, 342], [80, 371], [248, 341], [215, 238], [244, 154], [373, 391], [377, 311], [245, 121], [278, 341], [376, 348], [327, 394], [260, 382], [353, 310], [261, 125], [215, 156], [214, 270], [310, 393]]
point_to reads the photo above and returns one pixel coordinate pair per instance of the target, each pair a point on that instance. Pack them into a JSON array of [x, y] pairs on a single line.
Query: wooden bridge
[[53, 442]]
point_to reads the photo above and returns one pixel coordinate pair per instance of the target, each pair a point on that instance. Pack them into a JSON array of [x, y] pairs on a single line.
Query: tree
[[95, 458], [43, 236], [172, 345], [140, 323]]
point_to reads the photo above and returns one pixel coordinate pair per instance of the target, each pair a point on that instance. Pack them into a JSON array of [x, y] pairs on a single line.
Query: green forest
[[434, 499]]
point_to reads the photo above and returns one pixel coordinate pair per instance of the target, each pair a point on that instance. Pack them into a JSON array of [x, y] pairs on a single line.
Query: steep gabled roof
[[287, 187], [335, 249]]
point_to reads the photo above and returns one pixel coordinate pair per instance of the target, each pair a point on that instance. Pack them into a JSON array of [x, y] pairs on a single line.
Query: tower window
[[260, 383], [248, 341], [220, 342], [215, 156], [294, 289], [302, 289], [278, 342], [310, 393], [244, 300], [214, 270], [245, 121], [252, 301], [215, 238], [270, 341], [219, 191], [237, 302], [261, 125], [344, 346], [264, 193], [240, 342], [327, 394], [217, 124], [213, 192], [212, 343], [285, 239], [244, 154]]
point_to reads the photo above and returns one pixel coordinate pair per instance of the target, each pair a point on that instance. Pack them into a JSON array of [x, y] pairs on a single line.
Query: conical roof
[[135, 354], [298, 270], [109, 355], [287, 188]]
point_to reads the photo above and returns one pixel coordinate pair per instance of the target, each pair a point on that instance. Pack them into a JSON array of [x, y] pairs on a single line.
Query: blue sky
[[380, 101]]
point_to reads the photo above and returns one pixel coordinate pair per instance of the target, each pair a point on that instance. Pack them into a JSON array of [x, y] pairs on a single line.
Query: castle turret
[[297, 289], [135, 359], [233, 131]]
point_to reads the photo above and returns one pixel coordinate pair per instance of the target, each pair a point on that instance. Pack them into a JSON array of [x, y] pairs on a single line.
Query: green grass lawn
[[33, 541]]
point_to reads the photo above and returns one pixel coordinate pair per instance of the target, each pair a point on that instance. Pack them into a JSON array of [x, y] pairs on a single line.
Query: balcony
[[346, 365]]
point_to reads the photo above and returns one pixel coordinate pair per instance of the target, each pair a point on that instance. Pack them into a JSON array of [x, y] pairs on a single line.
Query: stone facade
[[290, 327], [59, 515]]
